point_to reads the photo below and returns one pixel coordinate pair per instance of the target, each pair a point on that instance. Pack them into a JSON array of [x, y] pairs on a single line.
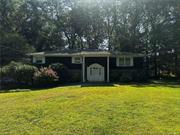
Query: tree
[[145, 26]]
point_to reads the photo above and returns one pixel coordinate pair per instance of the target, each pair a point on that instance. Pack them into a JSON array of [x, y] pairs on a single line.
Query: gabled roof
[[92, 53]]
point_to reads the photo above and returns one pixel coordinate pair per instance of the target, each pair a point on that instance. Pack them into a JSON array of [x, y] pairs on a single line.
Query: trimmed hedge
[[17, 73]]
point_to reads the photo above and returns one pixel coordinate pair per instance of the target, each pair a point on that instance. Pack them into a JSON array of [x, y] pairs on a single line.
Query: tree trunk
[[176, 64], [155, 65], [147, 64]]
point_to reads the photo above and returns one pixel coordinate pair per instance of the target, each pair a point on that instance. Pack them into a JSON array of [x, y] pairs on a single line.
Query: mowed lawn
[[103, 110]]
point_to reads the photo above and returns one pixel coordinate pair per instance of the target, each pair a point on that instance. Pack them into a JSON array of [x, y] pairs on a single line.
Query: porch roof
[[92, 53]]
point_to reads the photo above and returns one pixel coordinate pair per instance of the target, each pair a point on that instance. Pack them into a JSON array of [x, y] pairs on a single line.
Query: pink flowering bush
[[45, 76]]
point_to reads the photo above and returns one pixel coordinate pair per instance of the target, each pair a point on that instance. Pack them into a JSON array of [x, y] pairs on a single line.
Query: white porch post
[[108, 69], [83, 68]]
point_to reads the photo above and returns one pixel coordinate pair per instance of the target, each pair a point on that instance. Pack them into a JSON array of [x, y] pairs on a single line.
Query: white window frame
[[125, 65], [36, 58], [74, 60]]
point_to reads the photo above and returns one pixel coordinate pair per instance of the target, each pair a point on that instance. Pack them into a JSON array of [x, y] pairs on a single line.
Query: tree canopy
[[146, 26]]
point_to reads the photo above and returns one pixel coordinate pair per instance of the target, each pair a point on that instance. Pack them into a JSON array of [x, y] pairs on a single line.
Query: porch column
[[108, 69], [83, 68]]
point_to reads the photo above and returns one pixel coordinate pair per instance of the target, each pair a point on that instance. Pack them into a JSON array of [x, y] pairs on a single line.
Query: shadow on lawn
[[159, 83], [170, 84], [31, 88], [97, 85], [22, 89]]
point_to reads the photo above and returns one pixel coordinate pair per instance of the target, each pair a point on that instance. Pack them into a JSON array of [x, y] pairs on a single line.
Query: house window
[[127, 61], [39, 60], [76, 60], [124, 61], [121, 61]]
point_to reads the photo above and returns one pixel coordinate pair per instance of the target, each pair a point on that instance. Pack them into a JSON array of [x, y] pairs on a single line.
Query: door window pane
[[121, 61], [127, 61], [39, 60], [76, 60]]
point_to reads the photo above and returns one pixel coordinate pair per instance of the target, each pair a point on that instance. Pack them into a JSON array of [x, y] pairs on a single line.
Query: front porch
[[95, 69]]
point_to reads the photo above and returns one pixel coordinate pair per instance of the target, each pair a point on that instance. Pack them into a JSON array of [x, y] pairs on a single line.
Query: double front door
[[95, 73]]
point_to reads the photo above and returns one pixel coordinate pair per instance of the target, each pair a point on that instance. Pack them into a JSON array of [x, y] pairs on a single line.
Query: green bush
[[62, 71], [45, 77], [9, 70], [18, 73], [126, 77], [25, 73], [140, 76], [178, 73], [115, 76], [75, 76]]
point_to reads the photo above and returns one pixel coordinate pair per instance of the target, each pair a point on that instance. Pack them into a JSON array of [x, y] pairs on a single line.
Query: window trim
[[38, 58], [75, 62], [124, 58]]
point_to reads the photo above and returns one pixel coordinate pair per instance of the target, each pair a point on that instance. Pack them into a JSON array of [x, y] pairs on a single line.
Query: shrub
[[126, 77], [24, 73], [45, 77], [140, 76], [62, 72], [9, 70], [75, 76], [178, 73], [115, 76], [17, 73]]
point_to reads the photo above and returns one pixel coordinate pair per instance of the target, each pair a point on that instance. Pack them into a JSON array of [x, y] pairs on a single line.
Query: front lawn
[[104, 110]]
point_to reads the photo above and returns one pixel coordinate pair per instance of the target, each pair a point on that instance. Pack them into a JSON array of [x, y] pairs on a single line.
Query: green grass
[[105, 110]]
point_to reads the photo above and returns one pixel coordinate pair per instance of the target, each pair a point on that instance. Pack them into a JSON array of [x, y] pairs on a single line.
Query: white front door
[[95, 73]]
